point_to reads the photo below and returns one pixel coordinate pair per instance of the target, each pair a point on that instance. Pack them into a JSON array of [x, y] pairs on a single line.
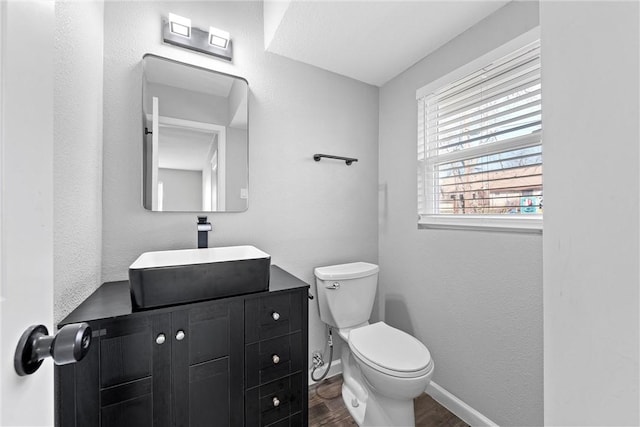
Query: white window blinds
[[479, 142]]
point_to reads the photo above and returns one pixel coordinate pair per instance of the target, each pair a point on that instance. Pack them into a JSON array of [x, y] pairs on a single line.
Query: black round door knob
[[69, 345]]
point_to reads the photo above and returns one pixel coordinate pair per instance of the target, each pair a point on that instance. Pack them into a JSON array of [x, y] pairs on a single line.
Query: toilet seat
[[390, 351]]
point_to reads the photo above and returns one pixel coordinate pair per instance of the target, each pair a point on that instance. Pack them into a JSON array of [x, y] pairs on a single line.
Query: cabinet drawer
[[274, 401], [274, 308], [273, 315], [274, 358]]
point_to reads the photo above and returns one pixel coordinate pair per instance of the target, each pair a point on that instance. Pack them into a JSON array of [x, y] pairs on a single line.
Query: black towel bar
[[347, 160]]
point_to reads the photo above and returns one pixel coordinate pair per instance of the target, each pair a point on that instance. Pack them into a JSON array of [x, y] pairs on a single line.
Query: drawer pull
[[180, 335], [160, 339], [276, 359], [275, 315], [276, 402]]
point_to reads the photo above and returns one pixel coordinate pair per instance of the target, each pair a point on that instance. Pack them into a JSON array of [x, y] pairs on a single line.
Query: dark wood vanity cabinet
[[276, 339], [227, 362]]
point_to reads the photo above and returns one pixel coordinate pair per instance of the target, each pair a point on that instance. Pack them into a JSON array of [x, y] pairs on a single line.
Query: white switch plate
[[244, 193]]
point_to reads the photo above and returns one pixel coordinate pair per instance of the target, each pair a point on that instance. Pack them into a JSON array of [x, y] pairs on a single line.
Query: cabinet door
[[77, 389], [207, 350], [134, 371]]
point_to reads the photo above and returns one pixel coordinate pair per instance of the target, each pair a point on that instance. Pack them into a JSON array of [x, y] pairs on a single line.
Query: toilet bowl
[[383, 368], [391, 361]]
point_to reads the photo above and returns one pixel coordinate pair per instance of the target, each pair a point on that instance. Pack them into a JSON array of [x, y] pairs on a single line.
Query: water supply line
[[317, 365]]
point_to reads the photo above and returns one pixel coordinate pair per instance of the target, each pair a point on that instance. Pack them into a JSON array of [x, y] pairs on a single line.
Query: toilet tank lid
[[352, 270]]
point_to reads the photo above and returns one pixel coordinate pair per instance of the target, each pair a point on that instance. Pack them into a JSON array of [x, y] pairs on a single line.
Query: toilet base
[[382, 411], [356, 411], [376, 410]]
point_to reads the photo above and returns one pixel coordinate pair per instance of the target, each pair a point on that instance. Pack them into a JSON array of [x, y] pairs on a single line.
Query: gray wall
[[474, 298], [182, 189], [303, 213], [591, 114], [236, 170], [77, 163]]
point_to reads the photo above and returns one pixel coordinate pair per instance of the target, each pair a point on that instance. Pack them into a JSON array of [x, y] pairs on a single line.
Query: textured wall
[[474, 298], [77, 152], [303, 213], [591, 108]]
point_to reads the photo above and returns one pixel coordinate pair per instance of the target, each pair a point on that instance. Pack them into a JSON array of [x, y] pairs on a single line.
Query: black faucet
[[204, 228]]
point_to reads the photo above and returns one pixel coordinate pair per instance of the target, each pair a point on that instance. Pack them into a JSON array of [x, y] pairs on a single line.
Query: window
[[480, 145]]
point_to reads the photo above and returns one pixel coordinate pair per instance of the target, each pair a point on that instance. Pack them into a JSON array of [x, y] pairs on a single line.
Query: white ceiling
[[183, 148], [167, 72], [370, 41]]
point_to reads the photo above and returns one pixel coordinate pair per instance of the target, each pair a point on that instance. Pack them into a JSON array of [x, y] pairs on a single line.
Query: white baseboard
[[336, 368], [460, 409]]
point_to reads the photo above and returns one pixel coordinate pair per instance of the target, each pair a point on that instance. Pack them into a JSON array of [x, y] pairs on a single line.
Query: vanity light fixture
[[180, 25], [218, 37], [177, 31]]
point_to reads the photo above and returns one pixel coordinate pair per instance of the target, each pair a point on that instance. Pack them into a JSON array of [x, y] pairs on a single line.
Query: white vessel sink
[[181, 276]]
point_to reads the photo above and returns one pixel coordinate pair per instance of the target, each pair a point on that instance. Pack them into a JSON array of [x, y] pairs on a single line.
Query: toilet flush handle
[[334, 286]]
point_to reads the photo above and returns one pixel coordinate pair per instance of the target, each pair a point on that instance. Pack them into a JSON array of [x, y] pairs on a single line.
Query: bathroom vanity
[[234, 361]]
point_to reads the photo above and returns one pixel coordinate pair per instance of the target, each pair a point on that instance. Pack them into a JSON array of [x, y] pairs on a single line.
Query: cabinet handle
[[160, 339], [276, 359], [275, 315], [180, 335], [276, 402]]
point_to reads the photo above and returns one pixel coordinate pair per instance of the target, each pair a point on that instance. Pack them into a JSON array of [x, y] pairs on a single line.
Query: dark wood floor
[[326, 408]]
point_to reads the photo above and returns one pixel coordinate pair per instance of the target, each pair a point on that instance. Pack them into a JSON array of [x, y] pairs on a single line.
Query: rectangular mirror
[[195, 141]]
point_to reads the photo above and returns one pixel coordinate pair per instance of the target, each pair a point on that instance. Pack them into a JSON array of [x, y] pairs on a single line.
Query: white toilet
[[383, 368]]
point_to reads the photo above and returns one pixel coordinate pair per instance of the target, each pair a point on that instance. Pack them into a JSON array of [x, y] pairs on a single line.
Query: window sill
[[507, 223]]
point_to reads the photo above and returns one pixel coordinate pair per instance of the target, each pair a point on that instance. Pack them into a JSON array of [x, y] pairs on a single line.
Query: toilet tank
[[346, 293]]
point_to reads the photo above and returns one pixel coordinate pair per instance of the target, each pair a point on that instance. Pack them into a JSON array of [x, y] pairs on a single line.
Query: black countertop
[[113, 299]]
